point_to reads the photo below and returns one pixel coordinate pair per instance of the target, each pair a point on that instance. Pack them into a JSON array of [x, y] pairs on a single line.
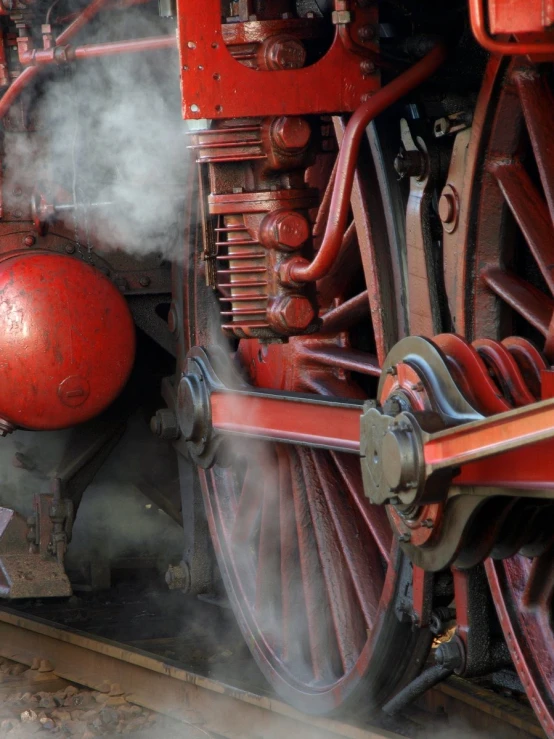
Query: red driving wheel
[[503, 252], [311, 569]]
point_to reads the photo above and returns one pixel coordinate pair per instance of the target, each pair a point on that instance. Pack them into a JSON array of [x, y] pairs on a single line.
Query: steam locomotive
[[323, 265]]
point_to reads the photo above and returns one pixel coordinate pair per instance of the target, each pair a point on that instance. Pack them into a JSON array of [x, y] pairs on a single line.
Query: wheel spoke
[[268, 572], [326, 384], [539, 588], [350, 360], [347, 314], [323, 647], [374, 517], [345, 611], [532, 304], [248, 508], [537, 103], [295, 622], [531, 214], [363, 562]]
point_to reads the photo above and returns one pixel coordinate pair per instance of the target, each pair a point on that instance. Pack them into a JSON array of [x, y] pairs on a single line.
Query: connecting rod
[[400, 458]]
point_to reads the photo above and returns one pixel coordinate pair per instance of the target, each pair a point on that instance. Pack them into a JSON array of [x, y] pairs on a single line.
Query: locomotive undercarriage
[[363, 332]]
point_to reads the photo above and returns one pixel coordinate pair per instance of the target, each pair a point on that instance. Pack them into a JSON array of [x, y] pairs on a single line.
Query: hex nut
[[284, 229], [292, 313], [284, 53], [290, 133], [165, 425]]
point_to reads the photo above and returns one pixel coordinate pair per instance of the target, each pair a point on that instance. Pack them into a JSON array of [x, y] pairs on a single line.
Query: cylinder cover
[[67, 341]]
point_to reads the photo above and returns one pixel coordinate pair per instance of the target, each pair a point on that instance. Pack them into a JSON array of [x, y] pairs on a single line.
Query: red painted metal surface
[[515, 19], [294, 420], [67, 341], [513, 16], [344, 177], [216, 85]]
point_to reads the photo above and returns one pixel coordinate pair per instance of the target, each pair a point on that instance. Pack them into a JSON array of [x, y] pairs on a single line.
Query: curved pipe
[[348, 155], [28, 75]]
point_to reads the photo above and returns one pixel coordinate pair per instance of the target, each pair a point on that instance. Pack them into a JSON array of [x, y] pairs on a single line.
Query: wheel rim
[[311, 570], [508, 289]]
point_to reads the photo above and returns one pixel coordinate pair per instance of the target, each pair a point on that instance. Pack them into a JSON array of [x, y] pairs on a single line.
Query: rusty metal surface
[[163, 687]]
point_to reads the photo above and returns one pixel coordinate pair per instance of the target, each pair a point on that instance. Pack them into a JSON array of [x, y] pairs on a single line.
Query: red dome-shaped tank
[[67, 341]]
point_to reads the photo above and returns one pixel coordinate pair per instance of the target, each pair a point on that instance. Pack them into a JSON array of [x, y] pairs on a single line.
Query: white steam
[[110, 131]]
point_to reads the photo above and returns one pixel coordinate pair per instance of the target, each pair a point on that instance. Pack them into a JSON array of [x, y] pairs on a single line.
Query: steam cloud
[[110, 130]]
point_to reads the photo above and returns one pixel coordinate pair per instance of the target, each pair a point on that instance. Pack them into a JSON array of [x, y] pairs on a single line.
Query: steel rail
[[164, 687], [212, 705]]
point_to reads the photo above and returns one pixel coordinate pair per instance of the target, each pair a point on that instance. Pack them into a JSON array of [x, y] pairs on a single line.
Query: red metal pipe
[[58, 54], [28, 75], [348, 156]]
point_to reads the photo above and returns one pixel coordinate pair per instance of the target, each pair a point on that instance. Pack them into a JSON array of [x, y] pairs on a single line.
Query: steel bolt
[[144, 281], [291, 313], [284, 229], [366, 33], [284, 54], [392, 371], [69, 249], [29, 240], [177, 577], [165, 425], [290, 133], [427, 523], [405, 538], [367, 67]]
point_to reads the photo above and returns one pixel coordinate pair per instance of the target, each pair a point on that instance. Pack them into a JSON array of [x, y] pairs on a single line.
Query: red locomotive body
[[346, 252]]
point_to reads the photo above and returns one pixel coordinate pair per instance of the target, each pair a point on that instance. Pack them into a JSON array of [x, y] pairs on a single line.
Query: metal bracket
[[215, 85]]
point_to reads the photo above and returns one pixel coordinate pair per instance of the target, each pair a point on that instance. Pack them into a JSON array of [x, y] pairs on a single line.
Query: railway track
[[61, 657]]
